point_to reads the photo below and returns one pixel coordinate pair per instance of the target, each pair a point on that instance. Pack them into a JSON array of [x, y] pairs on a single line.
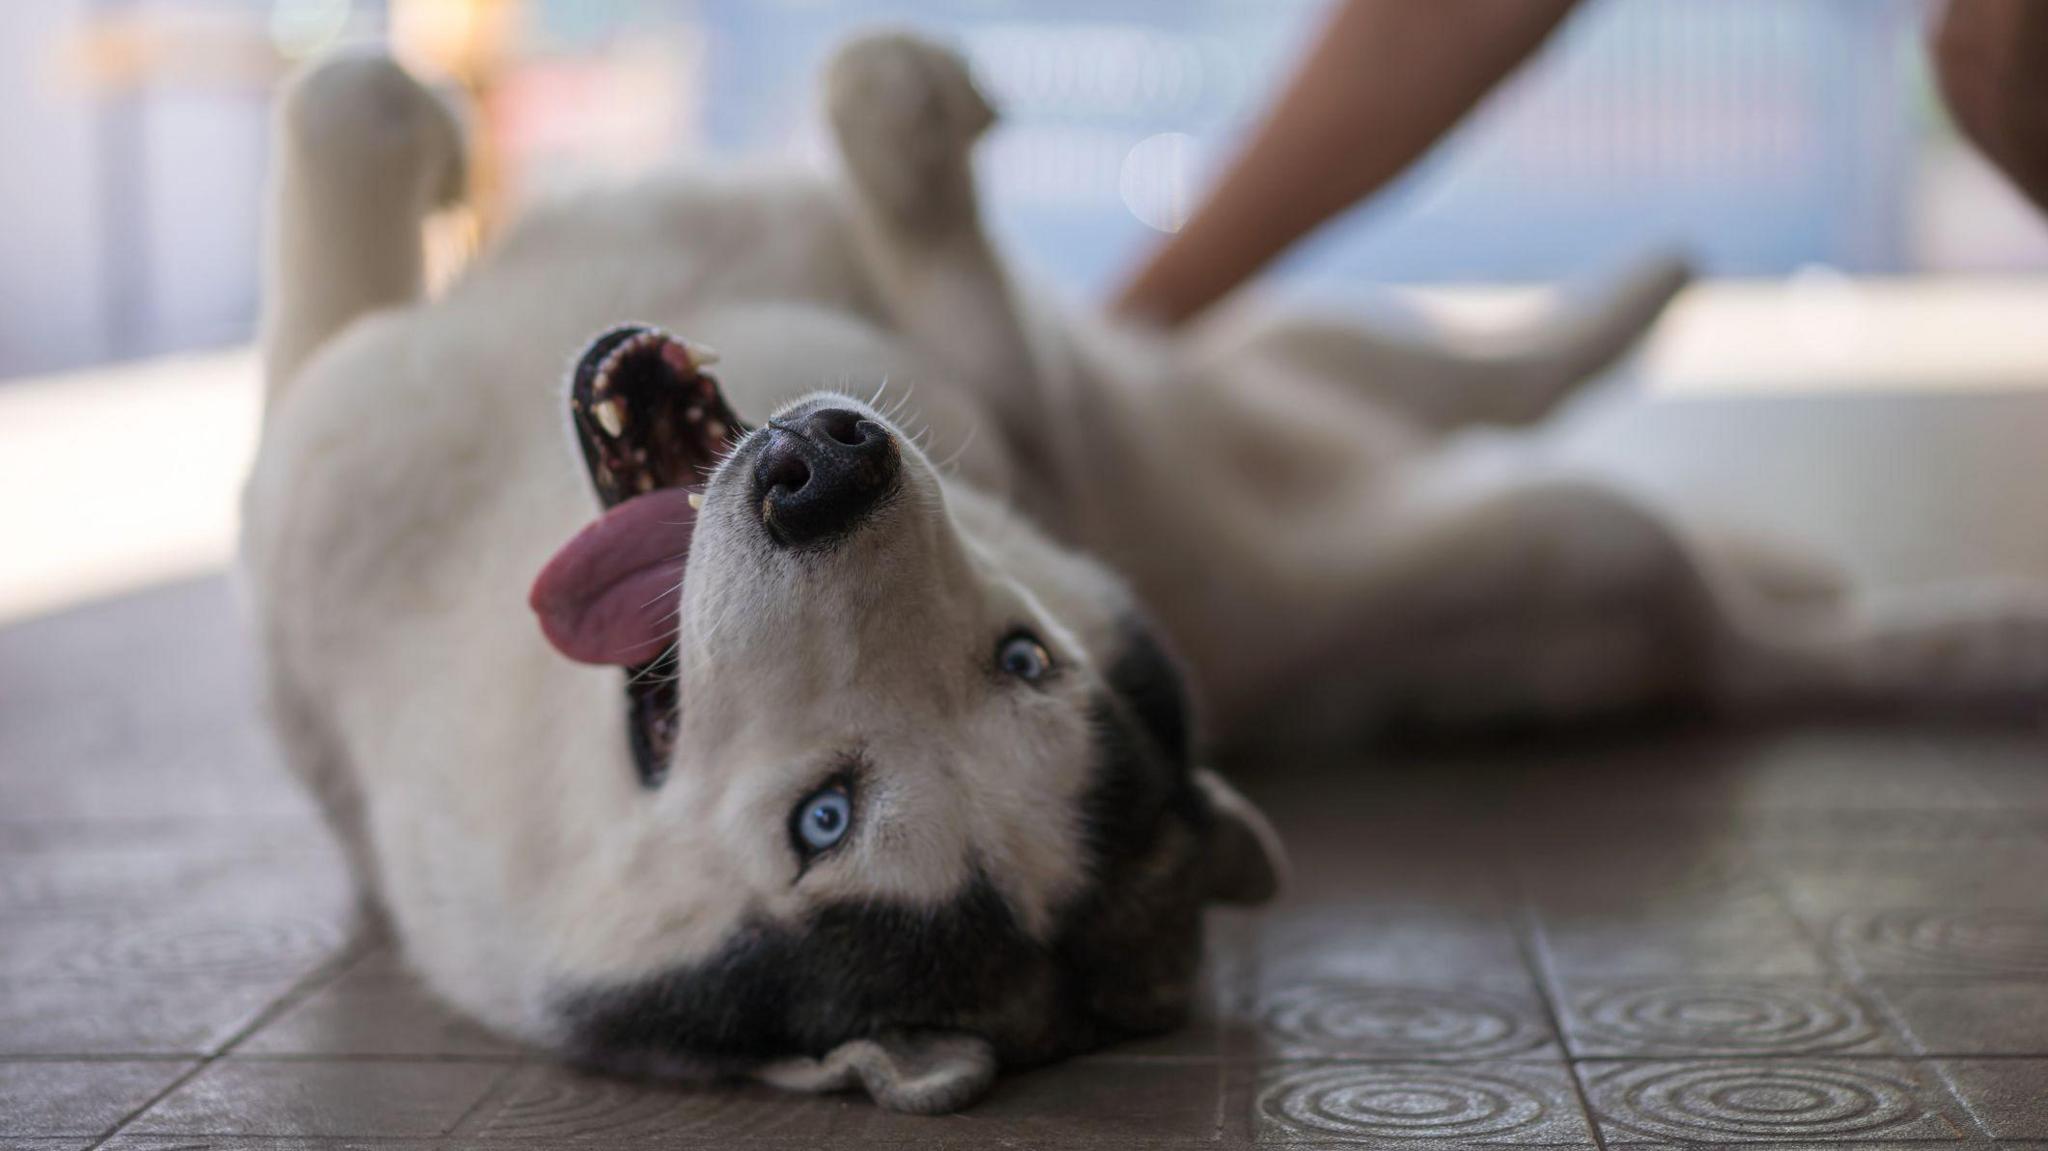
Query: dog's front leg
[[906, 115]]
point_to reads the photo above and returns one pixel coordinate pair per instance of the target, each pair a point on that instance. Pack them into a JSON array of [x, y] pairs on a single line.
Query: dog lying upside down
[[856, 741]]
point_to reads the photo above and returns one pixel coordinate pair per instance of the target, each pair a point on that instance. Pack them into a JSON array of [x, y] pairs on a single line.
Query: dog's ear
[[926, 1074], [1246, 863]]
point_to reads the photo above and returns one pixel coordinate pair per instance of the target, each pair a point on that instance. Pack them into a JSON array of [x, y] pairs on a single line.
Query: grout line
[[1220, 1117], [1526, 931], [1955, 1093], [351, 953], [152, 1101], [481, 1057], [101, 1057], [1809, 1057], [325, 973], [495, 1096]]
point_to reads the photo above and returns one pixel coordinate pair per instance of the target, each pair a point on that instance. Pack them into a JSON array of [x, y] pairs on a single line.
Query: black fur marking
[[853, 969], [1120, 962], [1148, 679], [1143, 742]]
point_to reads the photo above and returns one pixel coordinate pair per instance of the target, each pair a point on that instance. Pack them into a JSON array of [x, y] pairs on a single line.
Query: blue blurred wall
[[1762, 134]]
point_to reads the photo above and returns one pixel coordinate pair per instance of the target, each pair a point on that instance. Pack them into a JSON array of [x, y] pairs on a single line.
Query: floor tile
[[1378, 1019], [1411, 1104], [1375, 941], [2009, 1097], [376, 1007], [1742, 933], [1851, 767], [1944, 942], [128, 1015], [1100, 1103], [548, 1102], [169, 734], [2006, 763], [48, 1099], [1083, 1103], [1770, 1100], [265, 1143], [1692, 1016], [322, 1099], [254, 932], [1836, 878], [1971, 1017], [1745, 937]]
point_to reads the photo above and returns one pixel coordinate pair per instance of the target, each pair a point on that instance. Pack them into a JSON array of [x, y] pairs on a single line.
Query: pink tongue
[[609, 596]]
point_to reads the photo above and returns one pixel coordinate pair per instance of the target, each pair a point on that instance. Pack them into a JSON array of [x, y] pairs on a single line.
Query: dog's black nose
[[820, 473]]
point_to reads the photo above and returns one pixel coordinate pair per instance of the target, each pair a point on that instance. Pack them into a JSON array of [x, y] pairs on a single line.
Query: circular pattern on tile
[[1415, 1102], [1722, 1017], [255, 947], [1772, 1101], [1401, 1022], [1951, 942]]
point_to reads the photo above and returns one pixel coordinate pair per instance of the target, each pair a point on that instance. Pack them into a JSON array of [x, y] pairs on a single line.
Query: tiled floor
[[1675, 937]]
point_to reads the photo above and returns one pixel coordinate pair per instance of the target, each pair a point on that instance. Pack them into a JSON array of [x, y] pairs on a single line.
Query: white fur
[[1276, 491]]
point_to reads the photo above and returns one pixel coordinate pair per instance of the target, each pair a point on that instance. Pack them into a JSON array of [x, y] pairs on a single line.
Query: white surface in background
[[116, 479]]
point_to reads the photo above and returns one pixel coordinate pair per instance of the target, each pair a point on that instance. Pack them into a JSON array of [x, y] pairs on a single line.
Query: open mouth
[[652, 425], [648, 416]]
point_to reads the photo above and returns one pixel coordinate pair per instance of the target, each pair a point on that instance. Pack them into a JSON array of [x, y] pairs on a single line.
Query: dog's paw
[[928, 1074], [363, 114], [906, 112]]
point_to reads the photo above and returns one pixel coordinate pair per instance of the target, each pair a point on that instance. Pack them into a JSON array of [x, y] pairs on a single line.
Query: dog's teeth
[[611, 416], [704, 357], [715, 429], [696, 500]]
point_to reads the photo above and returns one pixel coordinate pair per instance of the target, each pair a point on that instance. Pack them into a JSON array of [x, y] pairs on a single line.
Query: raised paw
[[364, 114], [906, 112]]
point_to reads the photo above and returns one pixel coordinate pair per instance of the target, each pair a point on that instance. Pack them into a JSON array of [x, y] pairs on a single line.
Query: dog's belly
[[414, 480]]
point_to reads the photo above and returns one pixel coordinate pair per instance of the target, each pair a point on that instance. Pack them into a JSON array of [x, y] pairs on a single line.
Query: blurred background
[[1794, 146], [1768, 135]]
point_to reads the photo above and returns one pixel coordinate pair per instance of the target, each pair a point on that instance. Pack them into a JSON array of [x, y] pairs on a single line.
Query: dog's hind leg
[[1978, 646], [1555, 600], [1517, 381], [1548, 600], [906, 115], [364, 154]]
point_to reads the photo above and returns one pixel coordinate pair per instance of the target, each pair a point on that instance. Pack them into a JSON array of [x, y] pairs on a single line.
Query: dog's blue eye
[[1021, 655], [822, 819]]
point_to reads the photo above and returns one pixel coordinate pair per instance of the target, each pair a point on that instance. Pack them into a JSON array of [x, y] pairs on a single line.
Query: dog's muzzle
[[821, 472]]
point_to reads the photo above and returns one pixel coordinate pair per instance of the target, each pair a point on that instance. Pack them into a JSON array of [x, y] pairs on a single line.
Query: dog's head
[[919, 782]]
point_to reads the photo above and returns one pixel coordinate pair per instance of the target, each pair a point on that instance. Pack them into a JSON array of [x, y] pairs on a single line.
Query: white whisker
[[966, 441]]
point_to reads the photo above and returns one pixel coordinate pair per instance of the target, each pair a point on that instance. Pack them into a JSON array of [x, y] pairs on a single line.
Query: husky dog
[[917, 592]]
